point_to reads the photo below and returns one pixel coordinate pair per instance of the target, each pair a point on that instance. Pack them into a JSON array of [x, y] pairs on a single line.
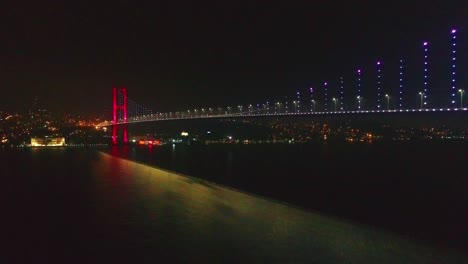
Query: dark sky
[[177, 55]]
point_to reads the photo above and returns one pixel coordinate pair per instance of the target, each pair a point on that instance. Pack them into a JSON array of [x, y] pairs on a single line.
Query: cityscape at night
[[234, 132], [17, 130]]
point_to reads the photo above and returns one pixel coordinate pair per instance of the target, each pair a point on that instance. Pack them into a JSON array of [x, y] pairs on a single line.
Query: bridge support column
[[119, 114]]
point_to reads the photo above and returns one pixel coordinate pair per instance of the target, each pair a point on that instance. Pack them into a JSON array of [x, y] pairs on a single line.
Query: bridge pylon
[[119, 112]]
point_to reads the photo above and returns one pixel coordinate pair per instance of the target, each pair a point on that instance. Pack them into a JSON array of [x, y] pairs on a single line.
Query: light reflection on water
[[202, 221], [82, 206], [403, 187]]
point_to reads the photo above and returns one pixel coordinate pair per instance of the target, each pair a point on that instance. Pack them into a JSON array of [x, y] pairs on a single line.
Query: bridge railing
[[178, 116]]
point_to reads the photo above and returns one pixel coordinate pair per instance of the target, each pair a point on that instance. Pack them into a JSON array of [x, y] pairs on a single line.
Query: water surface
[[75, 206]]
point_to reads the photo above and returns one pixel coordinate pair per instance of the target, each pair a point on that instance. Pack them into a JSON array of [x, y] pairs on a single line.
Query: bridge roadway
[[174, 116]]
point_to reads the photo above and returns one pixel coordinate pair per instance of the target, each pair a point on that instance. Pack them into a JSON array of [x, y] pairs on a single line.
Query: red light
[[116, 107]]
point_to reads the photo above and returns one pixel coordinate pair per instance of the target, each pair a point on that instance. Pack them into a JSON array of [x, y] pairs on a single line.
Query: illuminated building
[[48, 142]]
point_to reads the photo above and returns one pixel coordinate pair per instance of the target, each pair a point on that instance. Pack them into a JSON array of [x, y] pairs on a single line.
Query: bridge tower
[[119, 112]]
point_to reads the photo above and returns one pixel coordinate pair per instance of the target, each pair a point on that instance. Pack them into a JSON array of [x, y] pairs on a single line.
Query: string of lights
[[378, 84], [341, 94], [426, 73], [454, 60], [400, 91], [359, 97], [325, 86]]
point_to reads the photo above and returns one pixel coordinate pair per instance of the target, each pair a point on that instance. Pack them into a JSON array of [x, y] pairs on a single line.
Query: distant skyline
[[175, 56]]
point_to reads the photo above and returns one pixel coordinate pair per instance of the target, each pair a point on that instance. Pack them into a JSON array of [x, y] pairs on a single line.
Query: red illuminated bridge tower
[[119, 112]]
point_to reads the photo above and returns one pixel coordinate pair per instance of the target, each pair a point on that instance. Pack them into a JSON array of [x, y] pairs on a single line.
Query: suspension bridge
[[316, 101]]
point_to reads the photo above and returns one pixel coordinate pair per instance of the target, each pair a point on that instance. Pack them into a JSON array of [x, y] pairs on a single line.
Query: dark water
[[85, 206], [416, 189]]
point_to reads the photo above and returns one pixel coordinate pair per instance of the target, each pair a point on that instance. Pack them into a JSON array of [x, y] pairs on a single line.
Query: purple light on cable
[[326, 96], [359, 88], [378, 84], [341, 93], [298, 103], [453, 71], [312, 103], [426, 74], [401, 85]]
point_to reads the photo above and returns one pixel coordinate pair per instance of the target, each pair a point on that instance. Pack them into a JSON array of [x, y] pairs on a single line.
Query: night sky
[[177, 55]]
